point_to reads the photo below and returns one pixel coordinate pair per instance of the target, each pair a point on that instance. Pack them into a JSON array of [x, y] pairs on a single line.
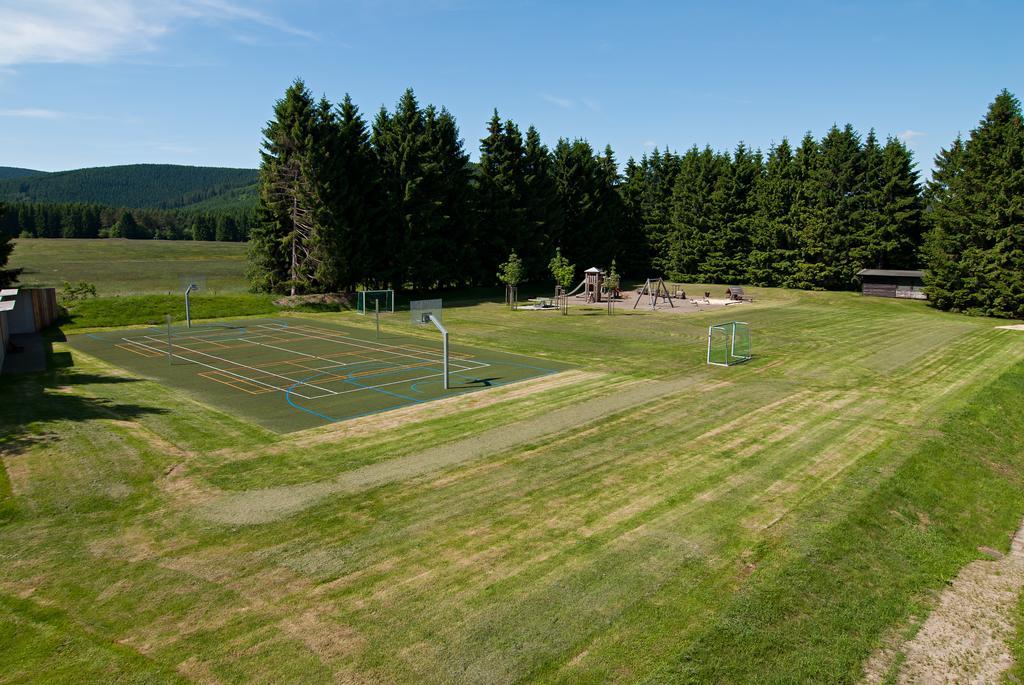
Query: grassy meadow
[[130, 267], [640, 517]]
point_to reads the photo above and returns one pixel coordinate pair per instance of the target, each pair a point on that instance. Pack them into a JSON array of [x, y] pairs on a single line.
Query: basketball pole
[[444, 345]]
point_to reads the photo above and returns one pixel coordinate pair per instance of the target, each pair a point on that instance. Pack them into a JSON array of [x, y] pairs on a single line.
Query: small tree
[[511, 274], [612, 280], [563, 272]]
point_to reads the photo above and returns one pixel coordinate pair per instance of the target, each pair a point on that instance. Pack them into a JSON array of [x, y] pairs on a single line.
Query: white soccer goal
[[375, 300], [728, 343]]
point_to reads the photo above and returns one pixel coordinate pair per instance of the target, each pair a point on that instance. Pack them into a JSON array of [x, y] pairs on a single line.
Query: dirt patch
[[1014, 327], [333, 299], [272, 504], [966, 637], [324, 636], [380, 424]]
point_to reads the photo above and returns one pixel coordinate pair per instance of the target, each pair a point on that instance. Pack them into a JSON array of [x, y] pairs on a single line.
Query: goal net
[[728, 343], [371, 300]]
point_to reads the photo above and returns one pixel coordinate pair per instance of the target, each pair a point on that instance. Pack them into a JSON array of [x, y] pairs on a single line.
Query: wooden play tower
[[593, 280]]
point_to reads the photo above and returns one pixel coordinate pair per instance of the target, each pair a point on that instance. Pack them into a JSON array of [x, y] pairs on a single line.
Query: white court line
[[377, 346], [244, 366], [327, 392]]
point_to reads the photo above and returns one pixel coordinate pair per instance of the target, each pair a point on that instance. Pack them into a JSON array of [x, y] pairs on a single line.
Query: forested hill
[[17, 172], [151, 186]]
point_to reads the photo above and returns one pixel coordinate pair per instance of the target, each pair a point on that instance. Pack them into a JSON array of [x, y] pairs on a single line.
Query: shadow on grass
[[35, 404]]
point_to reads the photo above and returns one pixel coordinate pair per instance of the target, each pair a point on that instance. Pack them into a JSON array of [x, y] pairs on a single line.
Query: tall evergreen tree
[[282, 245], [831, 219], [350, 207], [773, 234], [975, 249], [542, 218], [425, 182], [500, 199], [8, 277]]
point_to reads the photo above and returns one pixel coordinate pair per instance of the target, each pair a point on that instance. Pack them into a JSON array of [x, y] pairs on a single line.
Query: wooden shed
[[734, 292], [35, 309], [902, 283]]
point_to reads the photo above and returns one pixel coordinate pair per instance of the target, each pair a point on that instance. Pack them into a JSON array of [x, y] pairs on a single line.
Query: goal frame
[[730, 333], [364, 303]]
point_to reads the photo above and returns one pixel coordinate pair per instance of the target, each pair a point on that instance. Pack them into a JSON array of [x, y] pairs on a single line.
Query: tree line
[[87, 220], [396, 202], [154, 186]]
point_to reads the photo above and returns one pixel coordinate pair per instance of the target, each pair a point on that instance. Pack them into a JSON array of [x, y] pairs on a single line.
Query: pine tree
[[8, 277], [282, 245], [350, 209], [126, 227], [773, 235], [699, 201], [899, 233], [830, 225], [975, 249], [542, 217], [500, 191]]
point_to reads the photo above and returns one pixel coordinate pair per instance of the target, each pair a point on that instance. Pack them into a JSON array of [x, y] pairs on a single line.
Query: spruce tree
[[500, 191], [281, 246], [773, 234], [831, 218], [975, 249], [542, 218], [8, 277]]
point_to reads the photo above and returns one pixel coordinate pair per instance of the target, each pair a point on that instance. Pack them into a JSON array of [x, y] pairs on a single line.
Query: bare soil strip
[[966, 637], [271, 504]]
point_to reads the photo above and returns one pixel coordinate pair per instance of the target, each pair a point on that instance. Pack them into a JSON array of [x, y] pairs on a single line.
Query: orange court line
[[236, 383], [141, 351]]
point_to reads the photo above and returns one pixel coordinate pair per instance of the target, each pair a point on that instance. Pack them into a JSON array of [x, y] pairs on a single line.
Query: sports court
[[290, 374]]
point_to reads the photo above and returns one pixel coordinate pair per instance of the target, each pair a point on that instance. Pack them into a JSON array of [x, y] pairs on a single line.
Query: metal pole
[[709, 344], [444, 347], [376, 311], [170, 346], [188, 316]]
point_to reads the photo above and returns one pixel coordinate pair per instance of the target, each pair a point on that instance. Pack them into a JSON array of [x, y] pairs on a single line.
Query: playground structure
[[653, 289], [592, 287]]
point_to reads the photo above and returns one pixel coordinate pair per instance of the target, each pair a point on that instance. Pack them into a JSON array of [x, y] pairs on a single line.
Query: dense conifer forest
[[394, 202], [86, 220], [144, 186]]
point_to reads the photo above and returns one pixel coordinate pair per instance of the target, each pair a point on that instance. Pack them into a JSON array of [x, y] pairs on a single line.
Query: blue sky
[[193, 81]]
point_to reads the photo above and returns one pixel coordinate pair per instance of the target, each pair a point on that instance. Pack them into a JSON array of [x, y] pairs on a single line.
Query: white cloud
[[564, 103], [73, 31], [650, 143], [909, 135], [29, 113], [592, 105]]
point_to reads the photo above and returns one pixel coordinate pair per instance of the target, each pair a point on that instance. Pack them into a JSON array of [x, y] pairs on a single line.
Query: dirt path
[[966, 637], [271, 504]]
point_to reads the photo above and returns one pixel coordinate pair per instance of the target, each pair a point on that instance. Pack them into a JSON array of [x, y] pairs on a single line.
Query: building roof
[[903, 273]]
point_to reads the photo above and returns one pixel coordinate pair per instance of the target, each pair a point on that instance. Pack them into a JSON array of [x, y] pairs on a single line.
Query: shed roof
[[592, 270], [6, 305], [904, 273], [8, 292]]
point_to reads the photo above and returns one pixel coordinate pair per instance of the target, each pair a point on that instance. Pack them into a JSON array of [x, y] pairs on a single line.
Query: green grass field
[[130, 267], [636, 517]]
